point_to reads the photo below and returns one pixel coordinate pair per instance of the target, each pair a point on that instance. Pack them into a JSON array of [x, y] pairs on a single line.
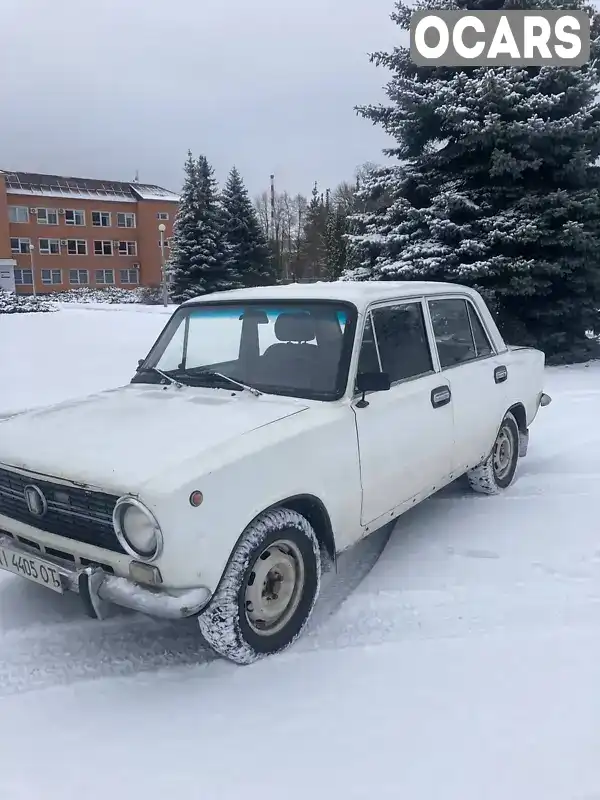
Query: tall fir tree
[[497, 186], [248, 253], [199, 264], [313, 250]]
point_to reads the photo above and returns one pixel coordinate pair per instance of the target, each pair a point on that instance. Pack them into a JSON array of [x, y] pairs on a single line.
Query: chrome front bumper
[[97, 588]]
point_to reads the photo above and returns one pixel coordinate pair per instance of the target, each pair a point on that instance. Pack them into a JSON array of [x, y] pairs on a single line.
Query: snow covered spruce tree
[[248, 253], [495, 185], [199, 263]]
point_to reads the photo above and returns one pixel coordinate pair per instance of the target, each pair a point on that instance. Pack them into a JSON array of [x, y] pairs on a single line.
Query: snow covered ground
[[461, 663]]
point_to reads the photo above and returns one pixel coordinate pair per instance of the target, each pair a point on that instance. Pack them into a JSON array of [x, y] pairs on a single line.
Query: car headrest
[[296, 326]]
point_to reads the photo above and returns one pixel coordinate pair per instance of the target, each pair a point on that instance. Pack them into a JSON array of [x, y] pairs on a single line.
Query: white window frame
[[16, 209], [50, 274], [128, 248], [129, 271], [78, 282], [125, 215], [75, 212], [18, 274], [47, 211], [103, 243], [22, 242], [163, 216], [102, 214], [104, 282], [48, 250], [77, 243]]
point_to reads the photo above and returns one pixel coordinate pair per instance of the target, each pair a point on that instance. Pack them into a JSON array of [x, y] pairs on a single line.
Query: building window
[[20, 246], [101, 219], [78, 276], [162, 215], [104, 248], [125, 220], [105, 276], [50, 247], [51, 276], [23, 277], [47, 216], [129, 276], [128, 248], [73, 217], [77, 247], [18, 214]]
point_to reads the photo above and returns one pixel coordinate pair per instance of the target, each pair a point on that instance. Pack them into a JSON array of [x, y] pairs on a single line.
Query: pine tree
[[497, 187], [313, 256], [248, 253], [199, 263]]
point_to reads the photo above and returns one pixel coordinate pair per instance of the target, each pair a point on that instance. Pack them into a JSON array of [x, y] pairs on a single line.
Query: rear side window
[[459, 333], [482, 343]]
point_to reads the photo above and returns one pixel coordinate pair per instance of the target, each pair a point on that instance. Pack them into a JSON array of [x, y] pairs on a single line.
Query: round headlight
[[137, 529]]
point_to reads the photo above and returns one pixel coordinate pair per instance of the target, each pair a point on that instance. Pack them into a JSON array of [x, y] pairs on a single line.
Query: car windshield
[[300, 349]]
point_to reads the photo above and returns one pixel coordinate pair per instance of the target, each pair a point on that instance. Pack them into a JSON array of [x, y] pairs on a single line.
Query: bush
[[148, 295], [10, 303]]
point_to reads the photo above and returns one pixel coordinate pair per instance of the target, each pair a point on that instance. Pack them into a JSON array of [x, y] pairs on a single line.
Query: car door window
[[400, 337], [482, 343], [452, 330], [368, 359]]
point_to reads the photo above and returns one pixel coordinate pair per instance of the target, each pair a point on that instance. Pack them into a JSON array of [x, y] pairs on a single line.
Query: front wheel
[[498, 471], [268, 590]]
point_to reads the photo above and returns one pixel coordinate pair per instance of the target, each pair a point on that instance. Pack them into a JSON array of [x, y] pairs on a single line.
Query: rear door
[[476, 374], [406, 434]]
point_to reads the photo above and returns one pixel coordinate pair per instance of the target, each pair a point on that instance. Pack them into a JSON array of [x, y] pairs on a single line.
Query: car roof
[[359, 293]]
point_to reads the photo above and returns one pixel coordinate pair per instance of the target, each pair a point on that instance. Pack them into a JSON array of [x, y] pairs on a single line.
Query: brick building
[[65, 233]]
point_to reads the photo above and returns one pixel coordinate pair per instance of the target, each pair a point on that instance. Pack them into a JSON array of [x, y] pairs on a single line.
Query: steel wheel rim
[[275, 587], [503, 453]]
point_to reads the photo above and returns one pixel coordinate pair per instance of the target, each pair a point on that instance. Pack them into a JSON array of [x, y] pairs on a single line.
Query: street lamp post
[[31, 249], [162, 228]]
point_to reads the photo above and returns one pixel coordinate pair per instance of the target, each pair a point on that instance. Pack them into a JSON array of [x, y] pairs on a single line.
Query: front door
[[476, 375], [405, 435]]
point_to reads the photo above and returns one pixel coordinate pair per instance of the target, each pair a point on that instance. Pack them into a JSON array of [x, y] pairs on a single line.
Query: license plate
[[31, 568]]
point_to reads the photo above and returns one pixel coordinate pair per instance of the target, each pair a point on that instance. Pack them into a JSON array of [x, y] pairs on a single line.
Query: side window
[[368, 360], [402, 341], [482, 343], [452, 330]]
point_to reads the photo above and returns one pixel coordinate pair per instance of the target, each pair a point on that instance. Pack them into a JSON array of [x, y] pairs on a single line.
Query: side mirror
[[371, 382]]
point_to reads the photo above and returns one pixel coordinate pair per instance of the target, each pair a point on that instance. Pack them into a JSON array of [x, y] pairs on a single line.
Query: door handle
[[440, 396], [500, 374]]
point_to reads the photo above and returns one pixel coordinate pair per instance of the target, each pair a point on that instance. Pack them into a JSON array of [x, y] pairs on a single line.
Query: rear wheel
[[268, 591], [498, 471]]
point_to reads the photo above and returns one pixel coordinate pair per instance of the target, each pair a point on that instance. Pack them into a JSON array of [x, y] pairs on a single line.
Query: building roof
[[34, 183], [359, 293]]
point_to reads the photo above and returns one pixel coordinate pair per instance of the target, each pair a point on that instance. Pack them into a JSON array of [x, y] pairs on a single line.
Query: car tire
[[268, 590], [498, 470]]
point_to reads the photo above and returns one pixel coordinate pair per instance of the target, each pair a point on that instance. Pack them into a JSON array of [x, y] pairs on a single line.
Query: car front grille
[[72, 512]]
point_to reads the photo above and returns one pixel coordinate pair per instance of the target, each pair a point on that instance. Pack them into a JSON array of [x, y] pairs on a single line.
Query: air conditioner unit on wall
[[33, 210], [63, 242], [135, 266], [61, 211]]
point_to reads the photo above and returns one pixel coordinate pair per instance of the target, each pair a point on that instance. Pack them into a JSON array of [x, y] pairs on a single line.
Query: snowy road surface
[[463, 663]]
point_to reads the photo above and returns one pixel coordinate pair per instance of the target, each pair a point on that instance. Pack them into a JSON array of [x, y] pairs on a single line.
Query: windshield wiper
[[210, 373], [163, 375]]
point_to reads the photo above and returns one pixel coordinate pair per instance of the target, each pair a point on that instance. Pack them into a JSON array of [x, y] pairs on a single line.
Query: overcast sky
[[100, 88]]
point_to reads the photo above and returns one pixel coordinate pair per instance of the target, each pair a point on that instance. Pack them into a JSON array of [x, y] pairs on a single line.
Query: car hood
[[120, 439]]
